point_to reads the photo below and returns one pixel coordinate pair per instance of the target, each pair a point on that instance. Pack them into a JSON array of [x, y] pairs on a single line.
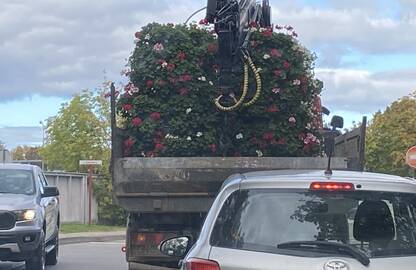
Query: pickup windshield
[[379, 224], [16, 182]]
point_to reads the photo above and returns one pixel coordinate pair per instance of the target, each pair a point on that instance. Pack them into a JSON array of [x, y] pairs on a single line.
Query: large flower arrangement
[[168, 106]]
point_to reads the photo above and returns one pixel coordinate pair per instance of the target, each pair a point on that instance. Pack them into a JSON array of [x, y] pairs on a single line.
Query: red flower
[[213, 148], [253, 24], [149, 84], [212, 48], [203, 22], [155, 116], [278, 73], [182, 56], [286, 65], [136, 122], [128, 144], [150, 154], [161, 83], [183, 91], [127, 107], [171, 67], [273, 109], [268, 136], [159, 147], [275, 53], [282, 141], [138, 35], [268, 33], [185, 78]]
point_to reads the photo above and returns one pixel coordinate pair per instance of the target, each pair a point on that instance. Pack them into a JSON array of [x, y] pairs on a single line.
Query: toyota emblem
[[336, 265]]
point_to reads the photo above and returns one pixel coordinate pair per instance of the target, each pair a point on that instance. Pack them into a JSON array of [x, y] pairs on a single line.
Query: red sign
[[411, 157]]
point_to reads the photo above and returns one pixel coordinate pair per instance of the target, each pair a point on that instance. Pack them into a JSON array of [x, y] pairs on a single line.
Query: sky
[[53, 49]]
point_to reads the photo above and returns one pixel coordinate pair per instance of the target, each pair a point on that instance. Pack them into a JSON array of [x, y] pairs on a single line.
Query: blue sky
[[52, 49]]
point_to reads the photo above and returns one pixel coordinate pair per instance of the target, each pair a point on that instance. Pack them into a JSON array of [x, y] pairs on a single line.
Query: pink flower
[[158, 47], [203, 22], [155, 116], [129, 143], [149, 84], [278, 73], [136, 122], [138, 35], [182, 56], [296, 82], [268, 136], [254, 44], [171, 67], [161, 83], [159, 147], [286, 65], [276, 90], [273, 109], [213, 148], [213, 48], [253, 24], [292, 120], [276, 53], [150, 154], [183, 91], [127, 107], [282, 141]]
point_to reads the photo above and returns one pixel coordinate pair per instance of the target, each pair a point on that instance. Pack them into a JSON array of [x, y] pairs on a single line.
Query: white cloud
[[363, 92]]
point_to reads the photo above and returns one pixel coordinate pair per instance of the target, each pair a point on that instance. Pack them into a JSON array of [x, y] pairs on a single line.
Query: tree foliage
[[390, 134], [75, 134], [26, 153]]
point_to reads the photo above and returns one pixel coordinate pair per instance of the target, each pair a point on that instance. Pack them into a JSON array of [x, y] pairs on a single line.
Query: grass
[[81, 228]]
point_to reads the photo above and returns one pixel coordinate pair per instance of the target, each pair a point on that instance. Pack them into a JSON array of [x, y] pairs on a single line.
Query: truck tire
[[37, 262], [52, 256]]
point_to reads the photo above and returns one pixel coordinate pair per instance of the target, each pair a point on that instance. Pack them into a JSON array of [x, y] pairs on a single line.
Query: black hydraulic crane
[[232, 20]]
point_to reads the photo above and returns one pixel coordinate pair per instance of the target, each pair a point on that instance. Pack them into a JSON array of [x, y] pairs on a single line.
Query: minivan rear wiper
[[330, 247]]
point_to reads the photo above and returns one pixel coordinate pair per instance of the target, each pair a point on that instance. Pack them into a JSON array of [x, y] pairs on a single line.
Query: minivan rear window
[[381, 224]]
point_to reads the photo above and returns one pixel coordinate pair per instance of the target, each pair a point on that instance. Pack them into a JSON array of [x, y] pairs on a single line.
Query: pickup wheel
[[37, 262], [52, 256]]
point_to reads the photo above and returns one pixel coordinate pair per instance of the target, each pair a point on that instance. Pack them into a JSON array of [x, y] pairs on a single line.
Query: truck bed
[[171, 185]]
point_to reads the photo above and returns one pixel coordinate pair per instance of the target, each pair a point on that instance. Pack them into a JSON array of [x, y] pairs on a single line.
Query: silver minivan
[[302, 220]]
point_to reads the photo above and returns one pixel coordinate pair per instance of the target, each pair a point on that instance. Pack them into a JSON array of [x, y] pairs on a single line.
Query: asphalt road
[[87, 256]]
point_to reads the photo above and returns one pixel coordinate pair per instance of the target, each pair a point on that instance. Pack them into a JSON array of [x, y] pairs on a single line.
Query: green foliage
[[26, 153], [76, 133], [168, 108], [390, 135]]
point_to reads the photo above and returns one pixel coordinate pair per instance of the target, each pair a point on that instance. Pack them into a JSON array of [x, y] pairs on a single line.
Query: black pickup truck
[[29, 217]]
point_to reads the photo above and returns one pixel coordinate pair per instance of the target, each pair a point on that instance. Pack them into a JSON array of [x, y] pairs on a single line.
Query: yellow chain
[[248, 64]]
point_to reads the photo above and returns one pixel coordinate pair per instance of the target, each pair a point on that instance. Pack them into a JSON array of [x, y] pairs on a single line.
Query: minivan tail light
[[332, 186], [200, 264]]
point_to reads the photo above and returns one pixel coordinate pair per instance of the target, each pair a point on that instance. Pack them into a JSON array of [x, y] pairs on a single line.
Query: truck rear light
[[148, 239], [200, 264], [138, 239], [332, 186]]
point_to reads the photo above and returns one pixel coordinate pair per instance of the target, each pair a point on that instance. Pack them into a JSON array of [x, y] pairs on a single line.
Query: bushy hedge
[[168, 106]]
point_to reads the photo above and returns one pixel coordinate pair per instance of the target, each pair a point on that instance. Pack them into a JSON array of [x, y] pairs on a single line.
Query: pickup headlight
[[25, 215]]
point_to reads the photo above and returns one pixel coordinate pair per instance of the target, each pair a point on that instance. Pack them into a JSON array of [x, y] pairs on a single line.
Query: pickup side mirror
[[175, 247], [50, 192]]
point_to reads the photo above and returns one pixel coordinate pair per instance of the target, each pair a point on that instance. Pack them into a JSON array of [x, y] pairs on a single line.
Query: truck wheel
[[52, 256], [37, 262]]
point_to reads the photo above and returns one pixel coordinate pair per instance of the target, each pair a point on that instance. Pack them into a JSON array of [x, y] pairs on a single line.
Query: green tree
[[390, 134], [76, 133], [26, 153]]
